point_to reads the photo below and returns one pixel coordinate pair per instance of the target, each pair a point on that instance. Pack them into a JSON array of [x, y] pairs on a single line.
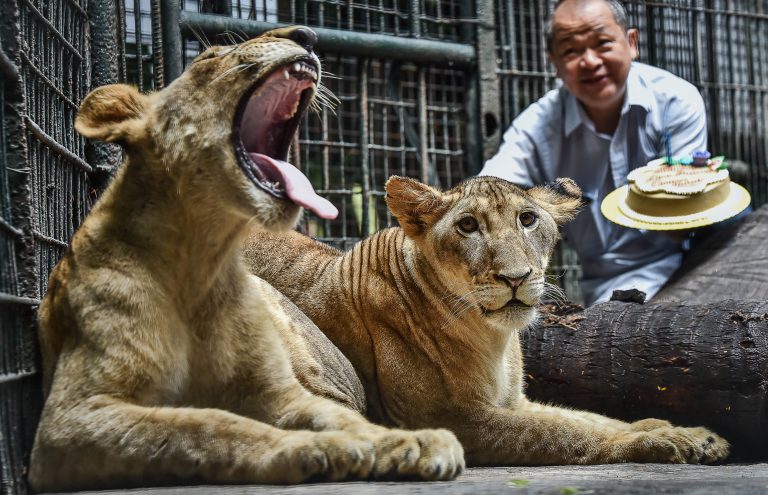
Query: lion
[[429, 314], [164, 360]]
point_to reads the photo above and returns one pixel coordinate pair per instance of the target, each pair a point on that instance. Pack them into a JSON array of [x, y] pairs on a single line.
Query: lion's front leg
[[106, 441], [425, 454], [429, 454], [538, 434]]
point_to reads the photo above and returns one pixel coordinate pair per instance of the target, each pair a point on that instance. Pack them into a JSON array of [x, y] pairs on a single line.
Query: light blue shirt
[[554, 137]]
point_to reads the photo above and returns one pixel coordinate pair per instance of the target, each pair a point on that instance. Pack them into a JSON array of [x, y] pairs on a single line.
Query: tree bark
[[692, 364], [697, 354]]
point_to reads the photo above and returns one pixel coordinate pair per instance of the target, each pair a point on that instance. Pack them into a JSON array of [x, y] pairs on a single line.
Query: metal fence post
[[105, 46], [488, 80], [173, 43]]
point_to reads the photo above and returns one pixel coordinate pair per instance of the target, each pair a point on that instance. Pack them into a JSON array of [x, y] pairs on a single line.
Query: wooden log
[[692, 364]]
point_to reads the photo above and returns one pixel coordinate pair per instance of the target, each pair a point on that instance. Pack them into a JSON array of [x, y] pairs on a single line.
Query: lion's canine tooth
[[297, 67], [286, 75]]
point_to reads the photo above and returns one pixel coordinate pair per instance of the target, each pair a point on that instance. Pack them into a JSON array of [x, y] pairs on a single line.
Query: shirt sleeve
[[687, 123], [526, 152]]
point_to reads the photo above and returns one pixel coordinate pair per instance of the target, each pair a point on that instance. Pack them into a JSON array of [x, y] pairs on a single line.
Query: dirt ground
[[640, 479]]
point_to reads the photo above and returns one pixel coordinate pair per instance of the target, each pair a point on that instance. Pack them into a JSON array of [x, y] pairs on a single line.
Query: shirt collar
[[637, 94]]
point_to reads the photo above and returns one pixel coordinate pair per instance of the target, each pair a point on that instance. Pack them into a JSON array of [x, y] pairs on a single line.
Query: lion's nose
[[304, 37], [513, 281], [301, 35]]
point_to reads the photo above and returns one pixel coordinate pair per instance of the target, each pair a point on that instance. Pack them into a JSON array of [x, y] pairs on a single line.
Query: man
[[609, 117]]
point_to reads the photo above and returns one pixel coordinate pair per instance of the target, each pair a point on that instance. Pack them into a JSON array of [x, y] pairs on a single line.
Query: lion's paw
[[430, 455], [328, 456], [677, 445], [715, 447]]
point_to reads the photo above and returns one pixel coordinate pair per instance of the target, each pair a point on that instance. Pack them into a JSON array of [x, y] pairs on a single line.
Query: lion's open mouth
[[265, 122]]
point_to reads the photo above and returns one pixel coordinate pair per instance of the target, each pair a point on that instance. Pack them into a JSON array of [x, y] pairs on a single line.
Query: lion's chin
[[512, 315]]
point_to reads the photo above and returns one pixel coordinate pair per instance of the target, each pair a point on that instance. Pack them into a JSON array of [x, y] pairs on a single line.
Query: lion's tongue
[[296, 185]]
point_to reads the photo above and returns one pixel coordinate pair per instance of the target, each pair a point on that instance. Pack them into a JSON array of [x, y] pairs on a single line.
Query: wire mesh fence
[[44, 193]]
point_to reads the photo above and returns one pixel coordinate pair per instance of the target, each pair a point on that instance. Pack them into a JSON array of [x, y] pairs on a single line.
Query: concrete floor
[[640, 479]]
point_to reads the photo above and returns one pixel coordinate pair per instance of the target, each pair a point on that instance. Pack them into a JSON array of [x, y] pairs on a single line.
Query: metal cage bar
[[48, 182]]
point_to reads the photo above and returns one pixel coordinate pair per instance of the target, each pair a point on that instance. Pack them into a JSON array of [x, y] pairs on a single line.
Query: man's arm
[[514, 159], [687, 122], [518, 160]]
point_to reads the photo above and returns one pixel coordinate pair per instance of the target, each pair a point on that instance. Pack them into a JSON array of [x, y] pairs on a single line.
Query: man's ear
[[415, 205], [561, 199], [632, 39], [112, 113]]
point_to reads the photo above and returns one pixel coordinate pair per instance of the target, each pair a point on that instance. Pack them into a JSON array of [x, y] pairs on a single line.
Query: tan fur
[[419, 311], [164, 359]]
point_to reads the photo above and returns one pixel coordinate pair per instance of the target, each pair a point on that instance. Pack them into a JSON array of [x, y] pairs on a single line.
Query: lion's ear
[[561, 199], [415, 205], [112, 113]]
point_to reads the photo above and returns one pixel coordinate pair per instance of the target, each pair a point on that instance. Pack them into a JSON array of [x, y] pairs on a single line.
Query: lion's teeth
[[286, 75], [297, 67]]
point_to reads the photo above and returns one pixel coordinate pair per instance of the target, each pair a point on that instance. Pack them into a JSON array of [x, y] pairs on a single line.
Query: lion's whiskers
[[234, 38], [236, 68], [460, 304], [555, 293], [324, 98], [201, 38]]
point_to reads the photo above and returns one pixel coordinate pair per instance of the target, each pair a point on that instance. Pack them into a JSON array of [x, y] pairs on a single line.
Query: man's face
[[592, 54]]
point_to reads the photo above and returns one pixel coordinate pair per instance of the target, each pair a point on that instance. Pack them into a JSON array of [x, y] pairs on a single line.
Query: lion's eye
[[468, 225], [527, 219]]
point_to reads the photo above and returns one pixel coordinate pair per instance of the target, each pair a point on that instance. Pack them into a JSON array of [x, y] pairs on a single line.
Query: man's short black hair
[[619, 15]]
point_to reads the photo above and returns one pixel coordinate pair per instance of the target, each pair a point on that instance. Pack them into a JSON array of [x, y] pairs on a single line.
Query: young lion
[[429, 315], [164, 359]]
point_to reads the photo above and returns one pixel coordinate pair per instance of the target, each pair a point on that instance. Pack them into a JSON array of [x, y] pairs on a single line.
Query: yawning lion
[[164, 359]]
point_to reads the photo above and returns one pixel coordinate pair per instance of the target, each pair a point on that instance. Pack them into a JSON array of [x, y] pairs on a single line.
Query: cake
[[663, 186], [676, 193]]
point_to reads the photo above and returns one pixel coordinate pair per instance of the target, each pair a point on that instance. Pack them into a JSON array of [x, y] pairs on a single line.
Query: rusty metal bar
[[173, 44], [48, 240], [77, 7], [55, 145], [12, 377], [139, 44], [362, 85], [11, 299], [158, 69], [44, 21], [47, 81], [10, 228], [427, 173], [7, 67], [488, 82], [343, 42]]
